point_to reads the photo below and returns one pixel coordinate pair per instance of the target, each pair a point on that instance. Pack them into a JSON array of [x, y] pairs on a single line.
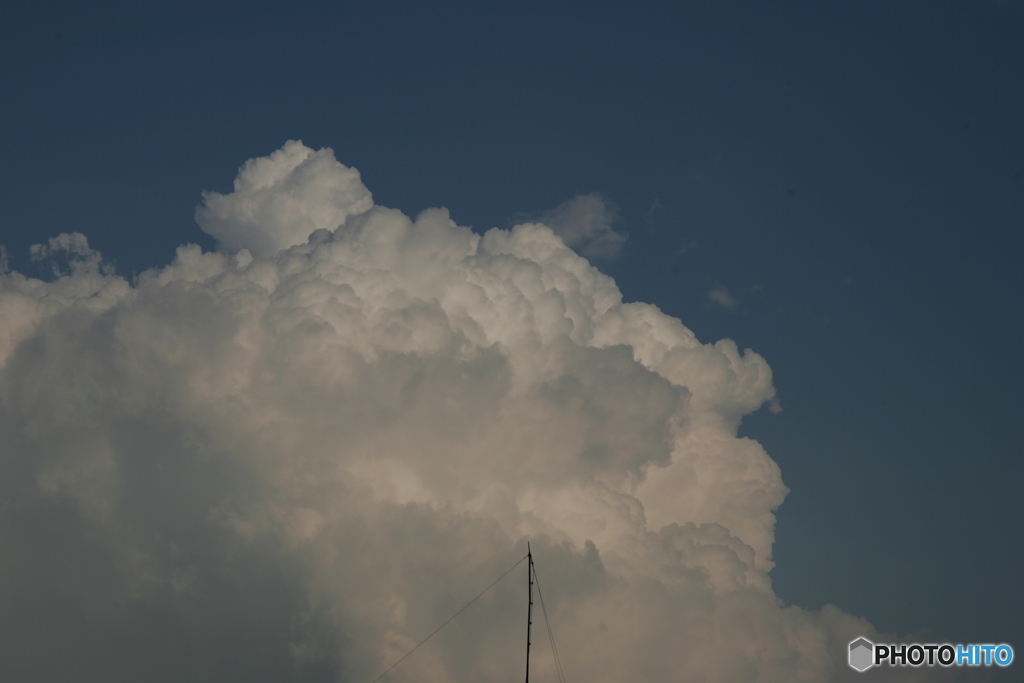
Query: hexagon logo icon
[[862, 653]]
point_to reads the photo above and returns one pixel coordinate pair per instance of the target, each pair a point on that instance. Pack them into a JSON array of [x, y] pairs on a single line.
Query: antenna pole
[[529, 613]]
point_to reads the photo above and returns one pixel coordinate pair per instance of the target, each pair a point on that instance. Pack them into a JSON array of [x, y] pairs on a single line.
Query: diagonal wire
[[449, 620], [547, 622]]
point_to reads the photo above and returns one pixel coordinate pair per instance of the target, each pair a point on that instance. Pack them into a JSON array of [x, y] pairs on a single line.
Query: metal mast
[[529, 613]]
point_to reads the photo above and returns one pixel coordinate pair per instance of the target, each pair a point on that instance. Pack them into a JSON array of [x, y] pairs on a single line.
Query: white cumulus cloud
[[279, 200], [585, 224], [292, 459]]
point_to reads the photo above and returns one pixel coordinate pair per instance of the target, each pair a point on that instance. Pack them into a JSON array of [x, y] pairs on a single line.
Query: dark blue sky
[[853, 173]]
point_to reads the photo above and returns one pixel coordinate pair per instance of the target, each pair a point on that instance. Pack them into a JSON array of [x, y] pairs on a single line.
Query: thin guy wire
[[449, 620], [547, 623]]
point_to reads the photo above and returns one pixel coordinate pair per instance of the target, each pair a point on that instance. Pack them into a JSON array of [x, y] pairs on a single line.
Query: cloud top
[[280, 199]]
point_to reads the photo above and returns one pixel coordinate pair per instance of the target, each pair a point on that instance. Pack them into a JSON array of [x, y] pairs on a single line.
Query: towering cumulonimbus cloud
[[291, 459]]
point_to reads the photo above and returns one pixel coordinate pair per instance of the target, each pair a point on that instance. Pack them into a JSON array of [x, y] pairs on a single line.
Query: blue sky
[[851, 174]]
